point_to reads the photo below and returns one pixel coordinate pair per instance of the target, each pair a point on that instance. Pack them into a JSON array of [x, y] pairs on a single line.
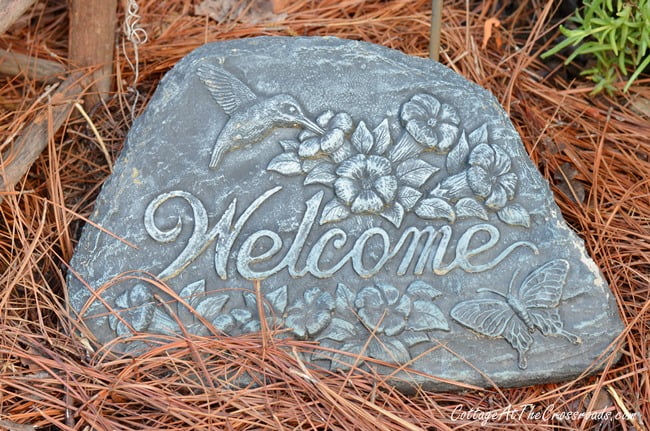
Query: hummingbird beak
[[311, 125]]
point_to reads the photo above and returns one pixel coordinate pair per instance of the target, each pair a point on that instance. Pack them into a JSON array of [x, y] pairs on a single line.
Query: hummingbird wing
[[228, 91]]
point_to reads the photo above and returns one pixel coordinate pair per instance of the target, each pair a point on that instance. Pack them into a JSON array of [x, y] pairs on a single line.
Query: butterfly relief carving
[[515, 316]]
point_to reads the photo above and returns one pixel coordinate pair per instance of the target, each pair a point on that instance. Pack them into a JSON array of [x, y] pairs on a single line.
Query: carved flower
[[365, 183], [432, 124], [382, 309], [135, 309], [489, 175], [336, 128], [311, 314]]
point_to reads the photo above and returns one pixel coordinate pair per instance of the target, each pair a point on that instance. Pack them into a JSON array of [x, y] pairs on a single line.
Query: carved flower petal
[[369, 297], [332, 141], [482, 155], [447, 136], [479, 181], [413, 111], [353, 168], [429, 103], [316, 322], [296, 321], [448, 115], [509, 183], [324, 118], [367, 202], [305, 134], [390, 293], [392, 324], [122, 300], [140, 318], [371, 317], [346, 190], [386, 187], [309, 148], [377, 166], [497, 198], [324, 301], [404, 306], [422, 133], [310, 295], [342, 121], [501, 161]]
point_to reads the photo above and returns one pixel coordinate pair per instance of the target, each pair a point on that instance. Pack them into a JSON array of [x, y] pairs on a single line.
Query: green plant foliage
[[616, 33]]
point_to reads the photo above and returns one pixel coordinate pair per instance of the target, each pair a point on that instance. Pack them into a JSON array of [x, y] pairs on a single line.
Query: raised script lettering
[[424, 248]]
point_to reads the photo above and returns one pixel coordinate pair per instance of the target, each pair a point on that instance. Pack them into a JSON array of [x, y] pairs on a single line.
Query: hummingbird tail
[[217, 155]]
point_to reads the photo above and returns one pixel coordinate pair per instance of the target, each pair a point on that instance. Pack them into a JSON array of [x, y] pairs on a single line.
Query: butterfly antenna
[[491, 291], [512, 281]]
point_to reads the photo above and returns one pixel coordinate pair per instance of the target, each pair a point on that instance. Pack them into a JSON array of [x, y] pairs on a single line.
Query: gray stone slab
[[377, 196]]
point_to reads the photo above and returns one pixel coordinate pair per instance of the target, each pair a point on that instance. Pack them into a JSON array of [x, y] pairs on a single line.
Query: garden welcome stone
[[385, 203]]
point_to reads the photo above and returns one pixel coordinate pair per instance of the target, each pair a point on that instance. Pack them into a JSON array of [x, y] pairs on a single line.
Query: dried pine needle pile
[[593, 150]]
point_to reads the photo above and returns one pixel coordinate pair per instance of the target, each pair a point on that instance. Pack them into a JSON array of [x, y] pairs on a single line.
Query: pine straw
[[48, 377]]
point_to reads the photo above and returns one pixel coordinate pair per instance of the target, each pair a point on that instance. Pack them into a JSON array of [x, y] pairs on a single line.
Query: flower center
[[432, 122], [367, 183]]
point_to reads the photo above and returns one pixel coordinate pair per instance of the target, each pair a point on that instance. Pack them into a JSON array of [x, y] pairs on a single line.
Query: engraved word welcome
[[434, 242]]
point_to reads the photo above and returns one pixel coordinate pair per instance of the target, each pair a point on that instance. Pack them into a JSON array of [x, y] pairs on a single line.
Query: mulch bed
[[592, 149]]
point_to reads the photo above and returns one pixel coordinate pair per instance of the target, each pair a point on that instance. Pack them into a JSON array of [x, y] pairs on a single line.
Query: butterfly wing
[[228, 91], [517, 335], [543, 287], [549, 323], [485, 316]]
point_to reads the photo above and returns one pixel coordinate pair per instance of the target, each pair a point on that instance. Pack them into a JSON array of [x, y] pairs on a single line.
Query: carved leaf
[[323, 173], [435, 208], [468, 207], [334, 211], [344, 299], [422, 291], [278, 299], [458, 155], [411, 338], [339, 330], [362, 139], [193, 292], [515, 215], [289, 145], [382, 137], [414, 172], [389, 350], [394, 214], [212, 305], [285, 164], [408, 197], [309, 164], [426, 316], [479, 136]]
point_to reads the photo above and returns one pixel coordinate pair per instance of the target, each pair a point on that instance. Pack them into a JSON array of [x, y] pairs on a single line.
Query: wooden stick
[[436, 28], [92, 40], [11, 10], [38, 69], [19, 158]]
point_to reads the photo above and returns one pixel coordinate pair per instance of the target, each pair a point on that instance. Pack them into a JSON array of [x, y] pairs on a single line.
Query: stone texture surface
[[376, 195]]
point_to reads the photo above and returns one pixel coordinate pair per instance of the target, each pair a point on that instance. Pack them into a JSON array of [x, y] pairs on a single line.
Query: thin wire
[[137, 36]]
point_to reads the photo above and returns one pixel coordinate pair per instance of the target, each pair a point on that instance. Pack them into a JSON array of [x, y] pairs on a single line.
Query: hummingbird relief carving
[[252, 118]]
